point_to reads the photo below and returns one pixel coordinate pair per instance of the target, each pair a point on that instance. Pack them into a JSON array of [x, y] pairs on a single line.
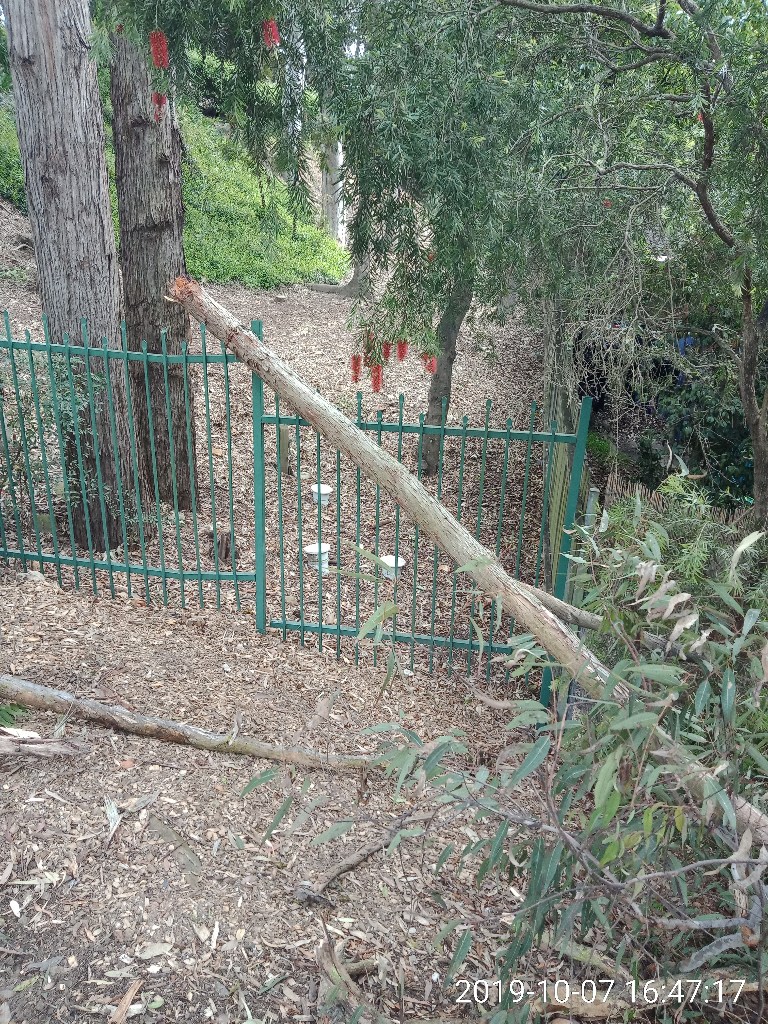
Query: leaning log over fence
[[45, 698], [526, 605]]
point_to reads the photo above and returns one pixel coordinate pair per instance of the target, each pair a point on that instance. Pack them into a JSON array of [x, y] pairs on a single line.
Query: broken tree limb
[[530, 607], [45, 698]]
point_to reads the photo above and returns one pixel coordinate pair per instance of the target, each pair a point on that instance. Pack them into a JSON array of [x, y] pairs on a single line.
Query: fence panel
[[214, 503]]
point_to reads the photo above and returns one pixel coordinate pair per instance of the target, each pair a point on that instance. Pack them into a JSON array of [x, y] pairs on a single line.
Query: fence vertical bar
[[80, 468], [301, 530], [577, 469], [172, 455], [319, 549], [376, 547], [436, 551], [545, 503], [259, 493], [62, 453], [280, 532], [338, 553], [192, 463], [416, 543], [118, 473], [11, 488], [401, 407], [228, 429], [211, 475], [25, 453], [153, 453], [574, 487], [524, 498], [357, 539], [479, 524], [464, 428], [43, 457], [135, 460], [96, 452]]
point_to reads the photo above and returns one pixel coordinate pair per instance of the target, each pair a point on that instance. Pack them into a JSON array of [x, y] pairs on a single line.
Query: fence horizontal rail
[[433, 430], [425, 639], [128, 568], [119, 354]]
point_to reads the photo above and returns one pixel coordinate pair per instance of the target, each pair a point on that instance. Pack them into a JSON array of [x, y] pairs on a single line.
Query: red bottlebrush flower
[[269, 33], [357, 367], [402, 350], [158, 44], [377, 377], [386, 350], [431, 255], [607, 204], [158, 102], [430, 362], [119, 30]]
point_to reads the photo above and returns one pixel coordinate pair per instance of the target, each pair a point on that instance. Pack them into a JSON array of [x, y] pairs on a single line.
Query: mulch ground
[[194, 891]]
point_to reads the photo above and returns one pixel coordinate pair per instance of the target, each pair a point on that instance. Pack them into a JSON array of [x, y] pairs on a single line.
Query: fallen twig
[[22, 691]]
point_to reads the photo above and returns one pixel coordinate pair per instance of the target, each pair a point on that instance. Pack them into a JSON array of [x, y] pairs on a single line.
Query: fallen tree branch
[[44, 698], [15, 742], [306, 893], [530, 607]]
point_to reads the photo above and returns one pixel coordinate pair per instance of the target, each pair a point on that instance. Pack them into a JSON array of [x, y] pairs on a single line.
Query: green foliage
[[619, 865], [11, 173], [237, 224]]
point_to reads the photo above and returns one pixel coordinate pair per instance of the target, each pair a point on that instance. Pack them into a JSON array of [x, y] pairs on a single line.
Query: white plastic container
[[324, 492], [393, 566], [317, 555]]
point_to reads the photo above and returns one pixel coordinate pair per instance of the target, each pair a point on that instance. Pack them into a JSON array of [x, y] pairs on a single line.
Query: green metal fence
[[243, 535]]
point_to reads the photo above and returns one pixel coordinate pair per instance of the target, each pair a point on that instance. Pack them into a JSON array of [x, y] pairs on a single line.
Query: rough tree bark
[[524, 604], [61, 138], [148, 178], [457, 307]]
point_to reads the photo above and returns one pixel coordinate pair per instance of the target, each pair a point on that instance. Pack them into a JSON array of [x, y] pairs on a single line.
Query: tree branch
[[656, 30]]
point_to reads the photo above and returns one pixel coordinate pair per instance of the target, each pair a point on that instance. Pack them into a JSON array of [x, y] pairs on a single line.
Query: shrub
[[11, 173]]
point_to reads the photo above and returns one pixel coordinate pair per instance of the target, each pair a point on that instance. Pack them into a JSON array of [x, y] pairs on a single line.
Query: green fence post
[[577, 470], [561, 579], [259, 499]]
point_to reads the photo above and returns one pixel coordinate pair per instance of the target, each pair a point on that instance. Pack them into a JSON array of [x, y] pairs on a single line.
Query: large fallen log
[[46, 698], [530, 607]]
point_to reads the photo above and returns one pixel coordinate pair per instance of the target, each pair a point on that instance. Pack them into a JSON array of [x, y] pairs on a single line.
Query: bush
[[11, 173]]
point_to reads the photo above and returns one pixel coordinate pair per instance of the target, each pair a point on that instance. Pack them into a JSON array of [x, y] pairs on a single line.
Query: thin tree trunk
[[755, 409], [457, 307], [61, 138], [148, 178], [330, 191], [524, 604]]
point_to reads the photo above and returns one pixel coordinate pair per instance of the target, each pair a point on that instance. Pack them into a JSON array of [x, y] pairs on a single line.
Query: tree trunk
[[459, 301], [148, 178], [330, 191], [753, 339], [61, 138], [523, 603]]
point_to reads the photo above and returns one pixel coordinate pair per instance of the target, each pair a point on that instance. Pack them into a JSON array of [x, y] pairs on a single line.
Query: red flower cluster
[[377, 377], [607, 204], [158, 102], [269, 33], [430, 362], [386, 350], [402, 350], [158, 44], [357, 367]]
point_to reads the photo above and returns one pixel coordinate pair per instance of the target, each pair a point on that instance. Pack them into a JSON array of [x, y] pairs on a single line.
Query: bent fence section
[[210, 498]]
